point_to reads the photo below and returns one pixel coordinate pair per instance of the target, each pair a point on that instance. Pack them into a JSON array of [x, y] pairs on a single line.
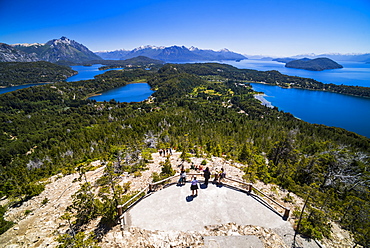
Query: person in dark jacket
[[206, 175]]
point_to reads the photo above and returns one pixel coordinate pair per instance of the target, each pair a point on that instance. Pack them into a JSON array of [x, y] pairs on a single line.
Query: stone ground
[[41, 225]]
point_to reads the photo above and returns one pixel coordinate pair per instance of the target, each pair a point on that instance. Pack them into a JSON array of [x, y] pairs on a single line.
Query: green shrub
[[137, 174], [33, 189], [46, 200], [4, 225]]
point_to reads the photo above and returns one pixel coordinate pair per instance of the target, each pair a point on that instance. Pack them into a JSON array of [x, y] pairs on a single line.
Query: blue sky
[[267, 27]]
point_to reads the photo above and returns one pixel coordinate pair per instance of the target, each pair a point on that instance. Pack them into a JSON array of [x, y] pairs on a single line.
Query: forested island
[[205, 108], [318, 64]]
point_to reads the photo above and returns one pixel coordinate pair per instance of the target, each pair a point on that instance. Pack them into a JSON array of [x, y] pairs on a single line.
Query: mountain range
[[67, 51], [173, 54]]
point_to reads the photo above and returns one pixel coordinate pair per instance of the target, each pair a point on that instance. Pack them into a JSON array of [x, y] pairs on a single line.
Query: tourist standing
[[182, 177], [194, 187], [221, 176], [206, 175]]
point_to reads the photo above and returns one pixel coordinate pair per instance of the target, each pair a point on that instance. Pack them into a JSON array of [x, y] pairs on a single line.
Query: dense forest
[[208, 108], [136, 62], [18, 73]]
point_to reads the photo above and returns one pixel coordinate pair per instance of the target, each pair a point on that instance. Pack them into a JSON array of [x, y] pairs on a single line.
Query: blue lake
[[87, 72], [319, 107], [136, 92], [13, 88], [84, 73], [353, 73]]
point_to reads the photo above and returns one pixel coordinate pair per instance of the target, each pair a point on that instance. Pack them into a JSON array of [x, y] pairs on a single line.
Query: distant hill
[[10, 54], [140, 61], [173, 54], [57, 50], [318, 64], [364, 57], [283, 60], [113, 55], [18, 73]]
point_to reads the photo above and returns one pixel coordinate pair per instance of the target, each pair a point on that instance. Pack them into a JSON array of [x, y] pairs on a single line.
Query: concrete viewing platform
[[174, 209]]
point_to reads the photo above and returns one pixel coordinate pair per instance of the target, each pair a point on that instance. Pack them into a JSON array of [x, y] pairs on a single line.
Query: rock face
[[232, 234], [318, 64], [173, 54], [62, 49], [10, 54]]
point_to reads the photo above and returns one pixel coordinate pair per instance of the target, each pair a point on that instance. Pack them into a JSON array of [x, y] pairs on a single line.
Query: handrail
[[250, 187], [269, 198], [163, 180], [120, 207]]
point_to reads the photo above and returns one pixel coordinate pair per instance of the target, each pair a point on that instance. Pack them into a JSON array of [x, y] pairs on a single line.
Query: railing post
[[286, 213], [119, 210], [150, 187], [250, 188]]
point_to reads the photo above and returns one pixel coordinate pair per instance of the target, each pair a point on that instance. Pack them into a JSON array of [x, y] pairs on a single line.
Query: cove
[[319, 107], [87, 72], [84, 73], [135, 92], [18, 87]]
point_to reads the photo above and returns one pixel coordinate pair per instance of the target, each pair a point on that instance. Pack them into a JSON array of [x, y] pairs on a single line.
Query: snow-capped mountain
[[62, 49], [173, 54]]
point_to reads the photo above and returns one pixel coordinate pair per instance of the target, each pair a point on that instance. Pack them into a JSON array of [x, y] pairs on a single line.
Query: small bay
[[18, 87], [135, 92], [87, 72], [84, 73], [319, 107]]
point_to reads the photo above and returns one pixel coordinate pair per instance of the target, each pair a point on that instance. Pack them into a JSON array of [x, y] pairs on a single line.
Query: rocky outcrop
[[136, 237], [10, 54]]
